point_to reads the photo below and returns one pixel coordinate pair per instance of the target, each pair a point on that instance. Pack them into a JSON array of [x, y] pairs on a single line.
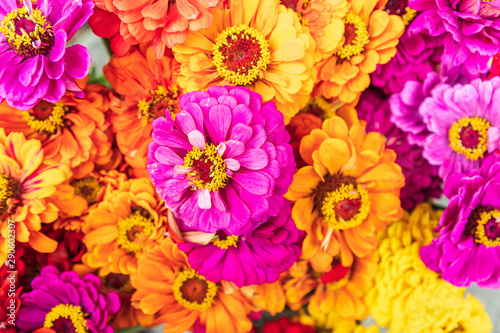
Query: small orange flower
[[73, 130], [258, 44], [340, 289], [370, 38], [117, 229], [178, 296], [323, 18], [349, 189], [164, 22], [301, 125], [31, 193], [148, 87]]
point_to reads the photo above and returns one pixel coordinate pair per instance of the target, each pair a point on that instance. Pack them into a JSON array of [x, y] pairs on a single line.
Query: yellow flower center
[[10, 191], [223, 241], [134, 231], [240, 54], [469, 137], [356, 36], [66, 315], [28, 34], [319, 107], [488, 228], [193, 291], [155, 106], [207, 168], [343, 204], [400, 8], [46, 117], [88, 188]]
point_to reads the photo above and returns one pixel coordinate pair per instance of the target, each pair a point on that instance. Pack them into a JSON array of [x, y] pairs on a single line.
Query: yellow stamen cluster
[[345, 192], [163, 98], [340, 283], [9, 189], [88, 188], [356, 45], [210, 293], [133, 231], [241, 76], [7, 27], [409, 15], [49, 125], [218, 175], [225, 243], [481, 126], [480, 235], [68, 311]]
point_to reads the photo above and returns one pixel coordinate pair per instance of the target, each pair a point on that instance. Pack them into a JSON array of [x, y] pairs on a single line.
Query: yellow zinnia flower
[[117, 229], [349, 189], [257, 44], [407, 296], [370, 38], [331, 322]]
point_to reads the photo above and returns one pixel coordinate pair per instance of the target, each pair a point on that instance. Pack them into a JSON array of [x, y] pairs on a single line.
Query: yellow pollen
[[345, 192], [484, 218], [409, 15], [88, 188], [162, 99], [49, 125], [9, 189], [208, 168], [27, 43], [68, 311], [354, 45], [479, 125], [189, 284], [241, 54], [225, 243], [338, 284], [133, 231]]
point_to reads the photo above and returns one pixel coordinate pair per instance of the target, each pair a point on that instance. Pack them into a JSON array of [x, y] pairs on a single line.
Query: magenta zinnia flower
[[36, 64], [225, 162], [422, 181], [65, 302], [470, 30], [468, 246], [416, 56], [256, 257], [464, 123]]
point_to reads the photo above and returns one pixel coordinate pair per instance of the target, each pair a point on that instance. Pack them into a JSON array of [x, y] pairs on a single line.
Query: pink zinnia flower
[[35, 62], [468, 246], [225, 162], [256, 257]]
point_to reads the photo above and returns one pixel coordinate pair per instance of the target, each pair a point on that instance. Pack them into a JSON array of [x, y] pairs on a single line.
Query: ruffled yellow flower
[[349, 189], [257, 44], [407, 296], [370, 38]]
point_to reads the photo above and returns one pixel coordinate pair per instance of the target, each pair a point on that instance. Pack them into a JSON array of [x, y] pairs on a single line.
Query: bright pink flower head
[[468, 246], [224, 163], [36, 64]]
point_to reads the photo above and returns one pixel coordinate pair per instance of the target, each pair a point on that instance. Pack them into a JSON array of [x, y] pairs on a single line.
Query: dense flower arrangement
[[249, 166]]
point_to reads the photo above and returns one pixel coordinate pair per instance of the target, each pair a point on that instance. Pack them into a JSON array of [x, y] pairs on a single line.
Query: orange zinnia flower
[[257, 44], [164, 22], [117, 229], [340, 289], [73, 130], [148, 87], [324, 20], [168, 288], [370, 38], [31, 193], [349, 189]]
